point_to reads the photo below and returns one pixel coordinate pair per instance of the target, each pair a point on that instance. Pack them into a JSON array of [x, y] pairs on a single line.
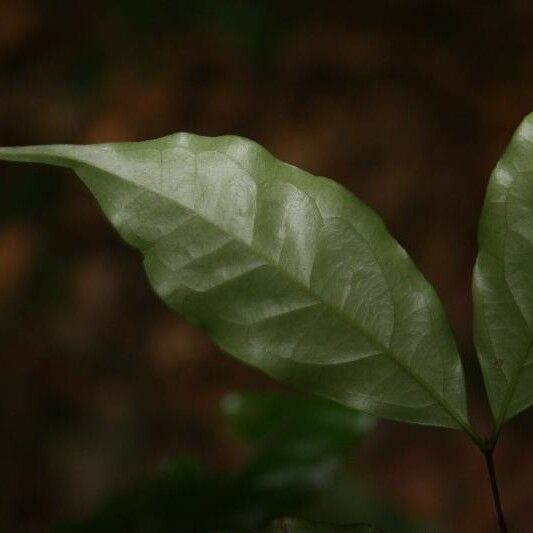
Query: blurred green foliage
[[300, 526], [298, 447]]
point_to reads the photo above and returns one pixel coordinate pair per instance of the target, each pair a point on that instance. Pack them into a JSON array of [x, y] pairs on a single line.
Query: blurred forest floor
[[408, 103]]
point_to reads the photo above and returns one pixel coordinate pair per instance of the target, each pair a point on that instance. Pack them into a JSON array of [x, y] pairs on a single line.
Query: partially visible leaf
[[286, 271], [503, 280]]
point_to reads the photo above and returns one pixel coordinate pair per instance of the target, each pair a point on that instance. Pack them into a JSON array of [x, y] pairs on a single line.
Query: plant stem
[[488, 453]]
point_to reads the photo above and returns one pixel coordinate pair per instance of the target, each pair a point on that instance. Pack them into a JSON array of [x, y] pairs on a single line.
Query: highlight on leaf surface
[[503, 280], [286, 271]]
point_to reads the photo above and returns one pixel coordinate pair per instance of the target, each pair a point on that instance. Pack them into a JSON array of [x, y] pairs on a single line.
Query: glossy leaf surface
[[286, 271], [503, 280]]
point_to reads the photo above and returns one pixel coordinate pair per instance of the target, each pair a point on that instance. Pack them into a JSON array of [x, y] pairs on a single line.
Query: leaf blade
[[285, 270], [502, 287]]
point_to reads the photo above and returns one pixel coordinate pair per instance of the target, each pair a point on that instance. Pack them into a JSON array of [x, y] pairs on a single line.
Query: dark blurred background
[[408, 103]]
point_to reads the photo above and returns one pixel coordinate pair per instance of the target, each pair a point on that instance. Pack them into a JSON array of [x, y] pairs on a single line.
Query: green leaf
[[298, 445], [291, 525], [503, 280], [286, 271], [184, 497]]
